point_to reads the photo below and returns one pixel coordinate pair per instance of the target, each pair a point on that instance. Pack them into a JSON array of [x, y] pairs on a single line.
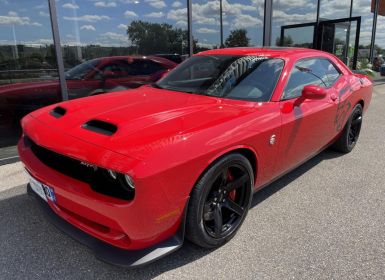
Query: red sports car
[[92, 77], [131, 174]]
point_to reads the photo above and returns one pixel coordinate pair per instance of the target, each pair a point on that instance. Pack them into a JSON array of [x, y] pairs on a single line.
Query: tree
[[150, 38], [237, 38], [287, 41]]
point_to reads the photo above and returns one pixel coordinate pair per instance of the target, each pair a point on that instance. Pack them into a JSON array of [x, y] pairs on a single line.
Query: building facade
[[42, 40]]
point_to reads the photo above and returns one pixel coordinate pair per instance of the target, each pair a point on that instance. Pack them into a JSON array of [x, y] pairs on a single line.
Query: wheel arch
[[361, 101], [248, 152]]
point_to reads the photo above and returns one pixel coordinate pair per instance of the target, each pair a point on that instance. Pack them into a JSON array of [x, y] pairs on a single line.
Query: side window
[[332, 73], [259, 84], [121, 69], [305, 72], [146, 67]]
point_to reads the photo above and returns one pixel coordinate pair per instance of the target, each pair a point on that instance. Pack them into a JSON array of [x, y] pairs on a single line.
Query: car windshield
[[81, 70], [250, 78]]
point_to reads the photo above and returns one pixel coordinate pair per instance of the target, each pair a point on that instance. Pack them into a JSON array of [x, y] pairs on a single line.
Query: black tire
[[349, 136], [219, 202]]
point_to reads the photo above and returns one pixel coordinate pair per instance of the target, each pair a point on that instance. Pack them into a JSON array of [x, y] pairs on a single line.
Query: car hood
[[146, 119]]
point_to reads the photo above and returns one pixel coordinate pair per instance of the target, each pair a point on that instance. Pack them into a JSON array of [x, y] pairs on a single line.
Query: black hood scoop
[[58, 112], [100, 127]]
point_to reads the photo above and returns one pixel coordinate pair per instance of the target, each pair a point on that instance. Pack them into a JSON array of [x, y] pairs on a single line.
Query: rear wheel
[[349, 136], [220, 201]]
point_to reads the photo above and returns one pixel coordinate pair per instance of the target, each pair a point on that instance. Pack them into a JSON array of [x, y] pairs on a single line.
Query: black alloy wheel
[[220, 201], [355, 127], [349, 136]]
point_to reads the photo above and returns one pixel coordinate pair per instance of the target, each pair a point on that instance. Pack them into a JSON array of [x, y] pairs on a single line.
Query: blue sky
[[104, 21]]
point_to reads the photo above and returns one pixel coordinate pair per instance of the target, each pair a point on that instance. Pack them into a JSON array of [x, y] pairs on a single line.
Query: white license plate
[[42, 190]]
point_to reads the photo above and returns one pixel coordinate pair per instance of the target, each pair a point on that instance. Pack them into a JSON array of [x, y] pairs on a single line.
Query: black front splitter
[[111, 254]]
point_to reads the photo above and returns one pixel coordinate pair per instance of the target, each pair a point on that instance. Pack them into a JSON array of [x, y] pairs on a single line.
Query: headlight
[[130, 183], [112, 174], [125, 180]]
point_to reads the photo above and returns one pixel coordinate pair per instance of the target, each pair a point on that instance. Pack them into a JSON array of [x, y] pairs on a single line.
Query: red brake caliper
[[230, 177]]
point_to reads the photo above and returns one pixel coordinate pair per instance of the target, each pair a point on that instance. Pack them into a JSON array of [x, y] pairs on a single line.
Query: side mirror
[[109, 75], [313, 92]]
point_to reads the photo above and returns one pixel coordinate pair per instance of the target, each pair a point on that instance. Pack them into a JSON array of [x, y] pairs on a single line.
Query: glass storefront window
[[117, 45], [301, 37], [288, 12], [379, 46], [242, 23], [28, 69], [205, 25], [334, 9]]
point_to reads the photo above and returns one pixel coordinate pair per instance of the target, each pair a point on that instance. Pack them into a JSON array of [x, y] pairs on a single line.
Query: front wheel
[[349, 136], [220, 201]]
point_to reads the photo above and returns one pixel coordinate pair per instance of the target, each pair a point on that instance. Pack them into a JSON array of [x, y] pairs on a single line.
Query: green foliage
[[151, 38], [287, 41], [237, 38]]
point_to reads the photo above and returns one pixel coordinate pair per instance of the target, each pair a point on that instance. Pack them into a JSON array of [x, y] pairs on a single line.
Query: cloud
[[208, 13], [290, 4], [205, 45], [177, 15], [334, 9], [12, 18], [181, 23], [12, 14], [280, 17], [70, 6], [176, 4], [88, 27], [43, 14], [114, 37], [35, 43], [158, 4], [206, 30], [122, 26], [104, 4], [130, 1], [130, 14], [88, 18], [155, 15], [39, 7], [245, 21]]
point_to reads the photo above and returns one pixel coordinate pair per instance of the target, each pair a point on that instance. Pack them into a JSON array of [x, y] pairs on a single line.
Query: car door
[[307, 124]]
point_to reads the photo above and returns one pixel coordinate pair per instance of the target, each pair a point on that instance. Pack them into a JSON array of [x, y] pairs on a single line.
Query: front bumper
[[109, 253], [138, 227]]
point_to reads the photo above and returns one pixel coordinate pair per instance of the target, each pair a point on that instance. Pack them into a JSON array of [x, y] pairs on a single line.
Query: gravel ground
[[324, 220]]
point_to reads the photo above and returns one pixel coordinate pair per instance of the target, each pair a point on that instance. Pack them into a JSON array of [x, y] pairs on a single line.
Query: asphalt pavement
[[324, 220]]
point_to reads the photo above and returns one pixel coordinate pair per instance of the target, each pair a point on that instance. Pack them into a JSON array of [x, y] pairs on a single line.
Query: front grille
[[96, 177]]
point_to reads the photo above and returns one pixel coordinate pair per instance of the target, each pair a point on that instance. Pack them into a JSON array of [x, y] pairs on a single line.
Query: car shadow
[[285, 180], [31, 247]]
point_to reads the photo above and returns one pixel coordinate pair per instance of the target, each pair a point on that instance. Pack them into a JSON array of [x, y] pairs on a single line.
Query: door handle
[[333, 97]]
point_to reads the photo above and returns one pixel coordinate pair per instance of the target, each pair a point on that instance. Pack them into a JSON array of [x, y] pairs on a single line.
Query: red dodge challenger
[[130, 174]]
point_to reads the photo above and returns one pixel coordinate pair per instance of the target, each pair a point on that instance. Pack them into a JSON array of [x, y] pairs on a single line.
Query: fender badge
[[272, 140]]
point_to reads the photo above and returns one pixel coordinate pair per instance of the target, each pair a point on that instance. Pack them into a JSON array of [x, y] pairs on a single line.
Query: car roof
[[132, 57], [264, 51]]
